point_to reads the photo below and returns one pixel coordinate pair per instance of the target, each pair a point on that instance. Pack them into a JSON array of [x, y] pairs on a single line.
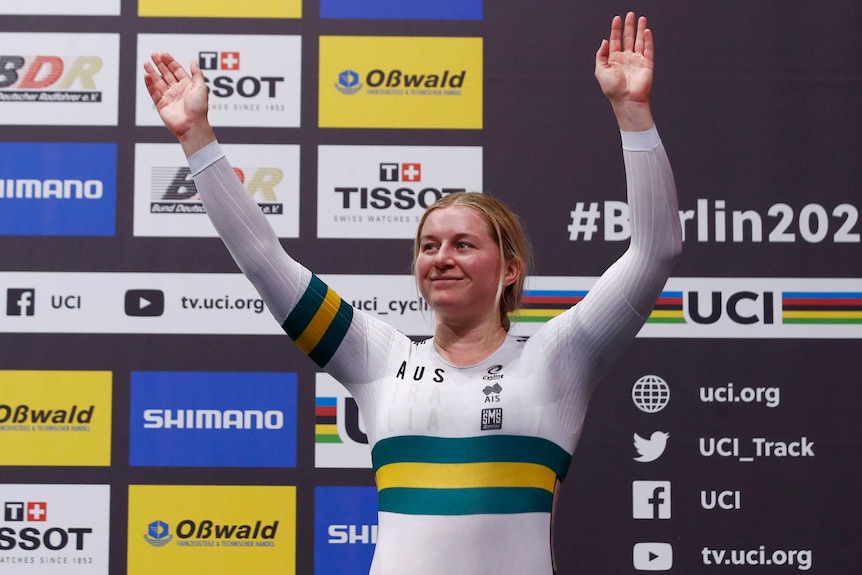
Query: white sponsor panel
[[739, 308], [61, 7], [59, 79], [382, 191], [167, 204], [348, 453], [54, 529], [253, 80]]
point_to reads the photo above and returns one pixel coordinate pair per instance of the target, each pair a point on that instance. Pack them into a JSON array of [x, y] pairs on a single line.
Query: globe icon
[[651, 393]]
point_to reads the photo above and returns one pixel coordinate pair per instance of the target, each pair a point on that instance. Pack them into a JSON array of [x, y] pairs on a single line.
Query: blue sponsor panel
[[58, 189], [345, 530], [213, 419], [403, 9]]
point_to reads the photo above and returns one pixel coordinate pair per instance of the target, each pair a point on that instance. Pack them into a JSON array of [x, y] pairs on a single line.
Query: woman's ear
[[514, 269]]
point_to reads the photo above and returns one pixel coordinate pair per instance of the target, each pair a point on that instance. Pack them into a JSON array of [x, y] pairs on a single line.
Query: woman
[[473, 429]]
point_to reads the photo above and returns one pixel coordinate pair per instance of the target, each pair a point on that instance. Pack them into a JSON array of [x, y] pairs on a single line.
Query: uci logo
[[743, 307]]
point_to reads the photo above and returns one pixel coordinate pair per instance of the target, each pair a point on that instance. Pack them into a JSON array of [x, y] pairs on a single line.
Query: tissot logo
[[245, 86], [408, 172], [54, 528], [218, 60], [21, 301], [145, 302], [15, 511], [382, 191], [253, 80]]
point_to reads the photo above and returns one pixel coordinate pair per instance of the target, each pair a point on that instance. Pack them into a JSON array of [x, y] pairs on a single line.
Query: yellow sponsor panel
[[221, 8], [397, 82], [217, 529], [55, 418]]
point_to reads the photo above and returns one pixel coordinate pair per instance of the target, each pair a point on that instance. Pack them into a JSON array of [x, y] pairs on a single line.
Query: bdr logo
[[743, 307], [41, 72]]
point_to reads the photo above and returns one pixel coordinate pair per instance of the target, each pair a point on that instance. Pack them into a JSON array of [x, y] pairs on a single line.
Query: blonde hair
[[507, 232]]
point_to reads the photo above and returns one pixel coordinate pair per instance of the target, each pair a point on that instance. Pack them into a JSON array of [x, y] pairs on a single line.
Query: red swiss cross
[[230, 60], [37, 511], [411, 172]]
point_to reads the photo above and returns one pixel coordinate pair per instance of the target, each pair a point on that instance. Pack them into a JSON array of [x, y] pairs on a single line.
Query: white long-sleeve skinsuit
[[467, 459]]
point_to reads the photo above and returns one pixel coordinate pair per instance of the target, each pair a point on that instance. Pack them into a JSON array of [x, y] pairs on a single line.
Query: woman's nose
[[443, 257]]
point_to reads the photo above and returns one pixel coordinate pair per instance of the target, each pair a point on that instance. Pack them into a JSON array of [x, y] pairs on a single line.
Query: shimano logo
[[26, 189], [213, 419]]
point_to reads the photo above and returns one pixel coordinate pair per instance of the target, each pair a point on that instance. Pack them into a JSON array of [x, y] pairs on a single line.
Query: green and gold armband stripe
[[319, 321], [462, 476]]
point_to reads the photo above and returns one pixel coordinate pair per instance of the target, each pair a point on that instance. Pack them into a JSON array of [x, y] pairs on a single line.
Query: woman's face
[[458, 265]]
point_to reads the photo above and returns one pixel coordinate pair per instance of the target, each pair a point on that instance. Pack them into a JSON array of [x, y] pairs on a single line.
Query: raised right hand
[[180, 99]]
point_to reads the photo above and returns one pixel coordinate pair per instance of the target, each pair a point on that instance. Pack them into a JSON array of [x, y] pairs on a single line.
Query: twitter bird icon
[[652, 448]]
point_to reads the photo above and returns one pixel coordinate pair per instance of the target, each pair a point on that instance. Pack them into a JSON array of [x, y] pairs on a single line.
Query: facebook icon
[[20, 301], [651, 499]]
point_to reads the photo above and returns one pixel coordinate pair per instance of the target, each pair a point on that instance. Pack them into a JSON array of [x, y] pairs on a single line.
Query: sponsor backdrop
[[153, 417]]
